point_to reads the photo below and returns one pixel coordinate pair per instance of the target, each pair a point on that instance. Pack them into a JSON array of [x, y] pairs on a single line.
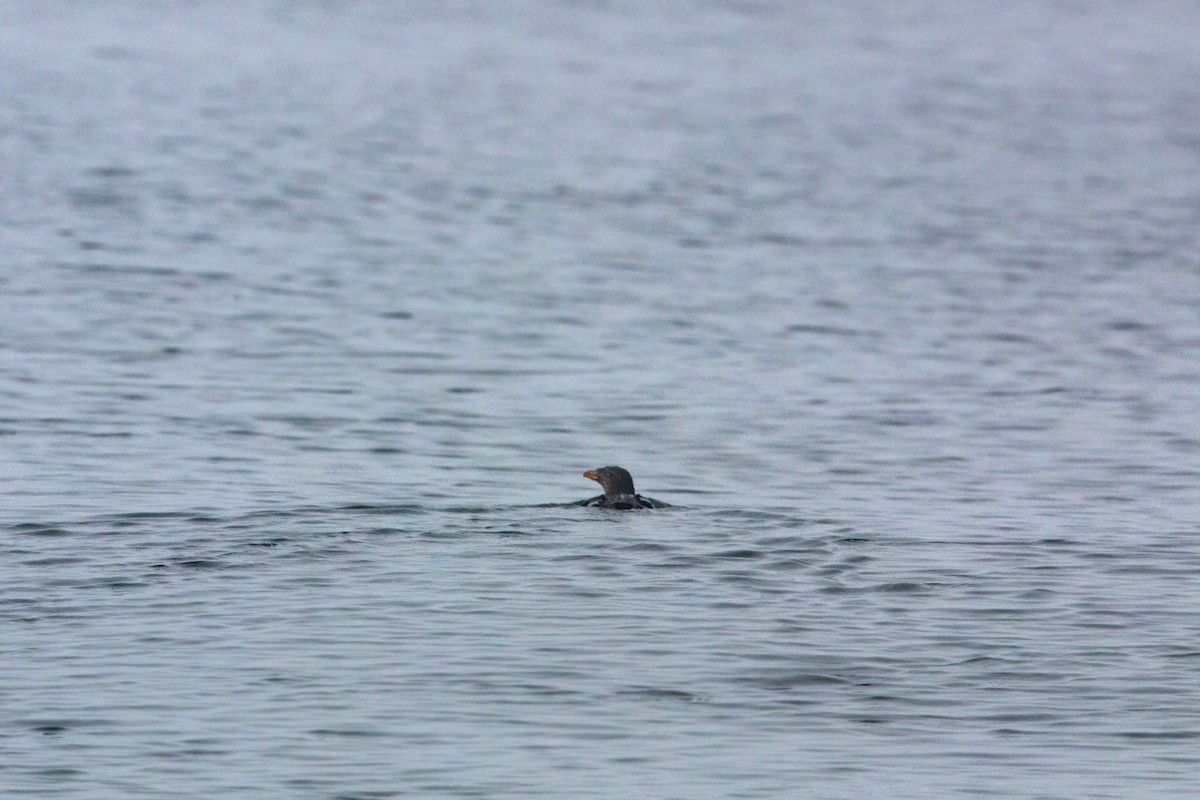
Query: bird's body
[[619, 493]]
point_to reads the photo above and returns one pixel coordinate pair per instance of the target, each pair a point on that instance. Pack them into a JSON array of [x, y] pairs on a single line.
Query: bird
[[618, 491]]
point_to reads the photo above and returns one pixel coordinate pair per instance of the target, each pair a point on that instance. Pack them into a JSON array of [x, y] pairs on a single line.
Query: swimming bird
[[618, 491]]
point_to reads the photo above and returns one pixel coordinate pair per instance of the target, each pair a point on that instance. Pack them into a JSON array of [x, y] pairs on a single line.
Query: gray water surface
[[314, 314]]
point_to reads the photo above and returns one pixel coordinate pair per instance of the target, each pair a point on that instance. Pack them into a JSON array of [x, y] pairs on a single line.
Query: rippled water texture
[[315, 313]]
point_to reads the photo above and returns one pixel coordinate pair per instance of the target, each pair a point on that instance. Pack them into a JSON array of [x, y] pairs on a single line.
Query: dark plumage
[[618, 491]]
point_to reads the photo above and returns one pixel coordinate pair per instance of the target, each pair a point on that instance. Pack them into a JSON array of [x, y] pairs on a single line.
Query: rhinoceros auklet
[[618, 491]]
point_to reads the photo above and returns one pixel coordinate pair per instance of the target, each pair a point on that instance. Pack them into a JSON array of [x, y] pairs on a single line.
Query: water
[[314, 314]]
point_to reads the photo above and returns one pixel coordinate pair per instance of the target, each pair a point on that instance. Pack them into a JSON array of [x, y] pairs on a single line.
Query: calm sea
[[315, 313]]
